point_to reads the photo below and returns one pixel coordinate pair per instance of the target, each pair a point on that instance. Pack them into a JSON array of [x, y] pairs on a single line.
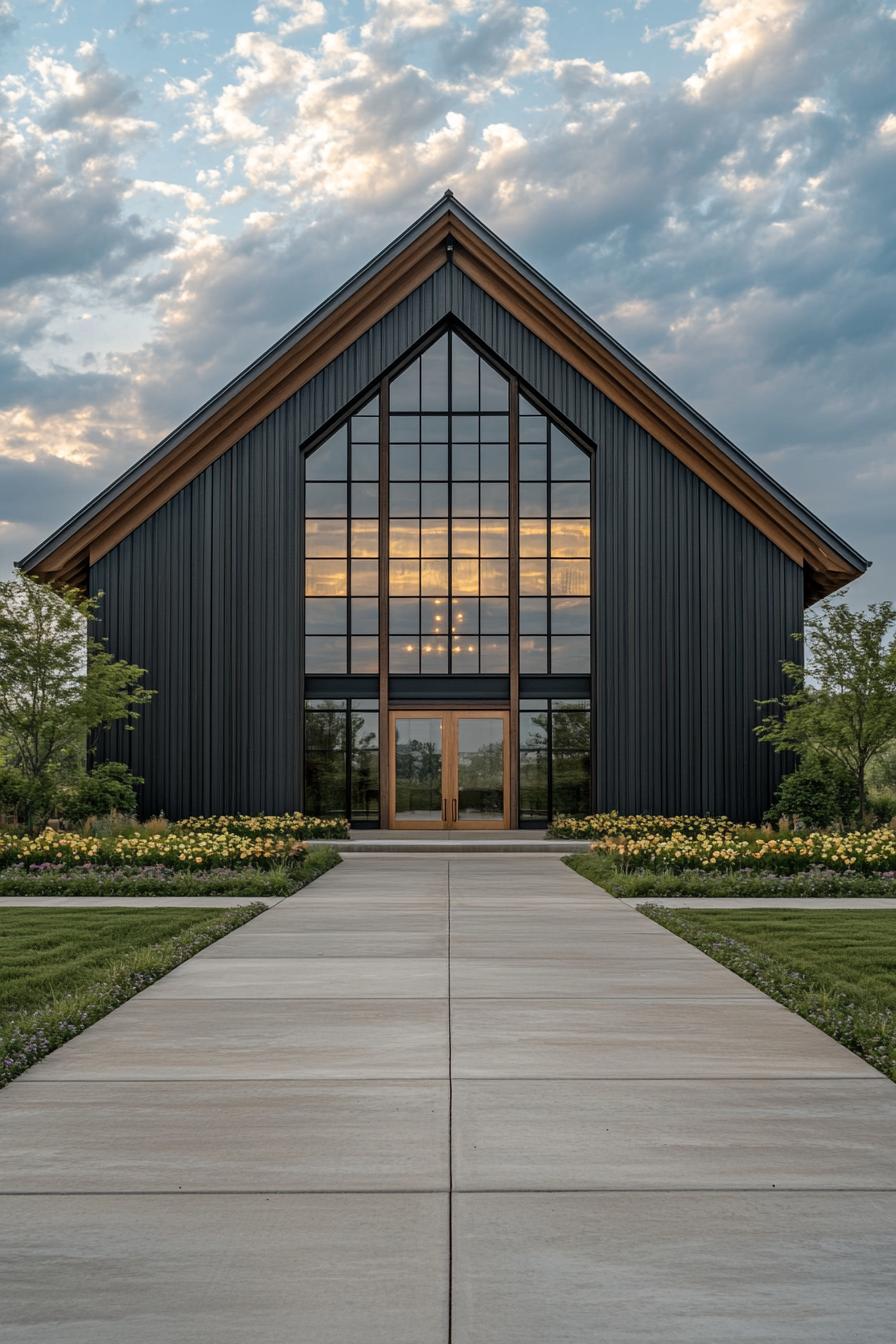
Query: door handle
[[444, 809], [454, 809]]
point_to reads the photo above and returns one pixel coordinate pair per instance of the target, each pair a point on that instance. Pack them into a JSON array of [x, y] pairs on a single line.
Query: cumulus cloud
[[731, 224]]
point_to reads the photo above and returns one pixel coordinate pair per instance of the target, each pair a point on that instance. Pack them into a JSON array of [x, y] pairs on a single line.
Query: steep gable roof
[[447, 229]]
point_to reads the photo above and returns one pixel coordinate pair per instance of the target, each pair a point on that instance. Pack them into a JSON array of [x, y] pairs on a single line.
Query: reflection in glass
[[568, 461], [480, 769], [365, 654], [464, 376], [465, 537], [418, 769], [533, 653], [434, 578], [434, 537], [365, 577], [434, 461], [434, 499], [324, 653], [493, 577], [494, 654], [464, 616], [533, 462], [570, 615], [404, 653], [404, 615], [494, 616], [533, 536], [325, 499], [404, 577], [326, 537], [404, 391], [570, 576], [365, 537], [328, 462], [326, 578], [533, 500], [404, 501], [533, 576], [404, 462], [533, 616], [570, 537], [493, 537], [434, 376], [404, 538], [326, 616], [365, 459], [570, 653], [434, 655], [465, 576], [567, 499], [365, 615], [465, 653], [365, 499]]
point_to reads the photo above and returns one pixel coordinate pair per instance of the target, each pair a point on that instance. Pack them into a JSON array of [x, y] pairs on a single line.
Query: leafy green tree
[[58, 684], [843, 707]]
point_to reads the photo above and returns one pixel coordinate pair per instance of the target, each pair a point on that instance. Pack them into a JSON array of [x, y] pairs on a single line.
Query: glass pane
[[464, 376], [325, 783], [533, 536], [434, 462], [404, 501], [493, 388], [326, 578], [365, 429], [493, 578], [570, 616], [404, 616], [434, 578], [404, 462], [533, 429], [533, 653], [418, 769], [493, 461], [404, 654], [325, 500], [464, 616], [365, 577], [533, 500], [464, 429], [493, 616], [434, 429], [465, 462], [404, 577], [325, 537], [464, 654], [464, 499], [533, 730], [570, 576], [465, 576], [434, 537], [571, 791], [365, 460], [325, 653], [533, 615], [404, 538], [325, 616], [480, 769], [365, 653], [533, 576], [325, 730], [465, 537], [365, 537], [533, 462], [328, 461], [570, 537], [571, 729], [567, 499], [494, 428], [533, 786], [434, 499], [434, 654], [404, 391], [570, 653], [365, 615], [403, 429], [365, 499], [494, 655], [434, 376], [493, 499], [493, 537], [434, 616], [365, 786], [568, 462]]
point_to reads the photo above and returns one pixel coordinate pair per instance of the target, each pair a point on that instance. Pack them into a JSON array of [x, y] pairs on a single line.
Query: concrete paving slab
[[114, 1137], [353, 916], [339, 943], [641, 1038], [275, 977], [565, 944], [224, 1269], [649, 1134], [259, 1038], [621, 976], [674, 1268]]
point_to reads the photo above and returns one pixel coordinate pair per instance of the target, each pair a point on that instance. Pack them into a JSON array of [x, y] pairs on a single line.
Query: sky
[[714, 181]]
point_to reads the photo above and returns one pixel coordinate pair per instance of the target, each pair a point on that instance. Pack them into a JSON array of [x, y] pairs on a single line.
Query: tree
[[843, 707], [58, 684]]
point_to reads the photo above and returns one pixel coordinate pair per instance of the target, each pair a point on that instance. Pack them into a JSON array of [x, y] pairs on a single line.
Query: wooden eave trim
[[525, 301]]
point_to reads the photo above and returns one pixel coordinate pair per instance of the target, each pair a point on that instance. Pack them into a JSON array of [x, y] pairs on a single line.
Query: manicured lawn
[[836, 968], [61, 970]]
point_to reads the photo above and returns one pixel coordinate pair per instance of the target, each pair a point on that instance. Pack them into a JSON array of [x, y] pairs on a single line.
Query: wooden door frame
[[449, 716]]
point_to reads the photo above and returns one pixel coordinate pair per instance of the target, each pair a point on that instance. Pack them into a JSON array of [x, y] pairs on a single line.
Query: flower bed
[[170, 849], [815, 883], [857, 851], [604, 824], [291, 825]]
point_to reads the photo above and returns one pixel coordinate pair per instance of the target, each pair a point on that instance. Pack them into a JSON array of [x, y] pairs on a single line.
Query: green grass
[[600, 868], [61, 970], [836, 968]]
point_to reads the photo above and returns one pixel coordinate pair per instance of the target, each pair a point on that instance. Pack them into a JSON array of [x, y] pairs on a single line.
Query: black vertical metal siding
[[693, 607]]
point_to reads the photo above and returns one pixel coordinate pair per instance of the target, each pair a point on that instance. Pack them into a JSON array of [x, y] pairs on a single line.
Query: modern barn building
[[445, 556]]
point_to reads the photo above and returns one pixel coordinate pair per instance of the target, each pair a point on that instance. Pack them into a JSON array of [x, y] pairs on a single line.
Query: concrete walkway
[[468, 1099]]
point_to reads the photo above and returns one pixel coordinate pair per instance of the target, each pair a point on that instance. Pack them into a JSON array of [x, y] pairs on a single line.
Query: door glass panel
[[418, 769], [480, 769]]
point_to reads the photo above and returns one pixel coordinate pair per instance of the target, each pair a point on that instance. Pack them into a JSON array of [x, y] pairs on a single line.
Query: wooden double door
[[449, 768]]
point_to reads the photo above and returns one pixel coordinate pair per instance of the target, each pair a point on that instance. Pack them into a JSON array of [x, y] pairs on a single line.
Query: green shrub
[[818, 793], [107, 788], [749, 886]]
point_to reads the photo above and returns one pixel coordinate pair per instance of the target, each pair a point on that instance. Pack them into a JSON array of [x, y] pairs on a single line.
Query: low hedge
[[26, 1038], [750, 886], [125, 884]]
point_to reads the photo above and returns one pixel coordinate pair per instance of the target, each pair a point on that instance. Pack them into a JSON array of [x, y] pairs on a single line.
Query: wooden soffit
[[386, 288]]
